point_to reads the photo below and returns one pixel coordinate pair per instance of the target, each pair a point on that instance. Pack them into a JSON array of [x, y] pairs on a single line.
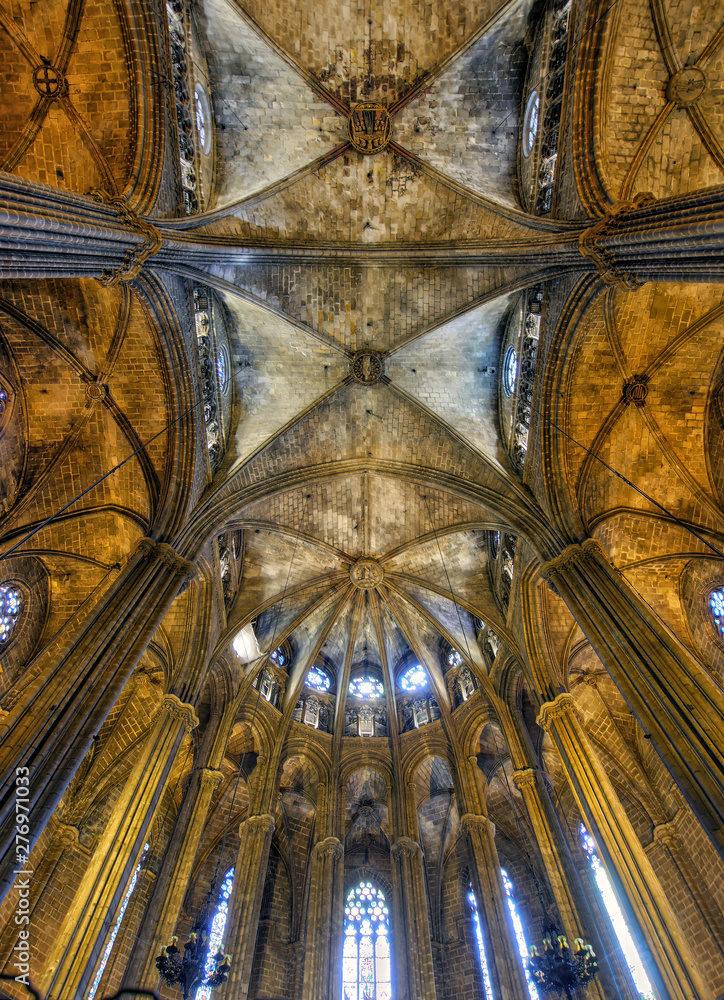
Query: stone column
[[73, 686], [413, 948], [505, 967], [83, 935], [322, 964], [164, 908], [675, 700], [662, 944], [50, 232], [255, 835]]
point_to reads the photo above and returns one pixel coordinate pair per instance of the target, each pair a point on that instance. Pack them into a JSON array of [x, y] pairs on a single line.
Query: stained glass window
[[202, 118], [510, 371], [481, 947], [11, 605], [366, 687], [319, 679], [633, 959], [716, 603], [494, 543], [413, 678], [278, 657], [530, 124], [519, 934], [221, 368], [366, 970], [454, 658], [117, 925], [216, 934]]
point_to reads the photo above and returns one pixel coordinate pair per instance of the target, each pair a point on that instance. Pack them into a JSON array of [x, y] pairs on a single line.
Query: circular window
[[203, 118], [278, 657], [716, 604], [366, 687], [530, 123], [222, 369], [454, 658], [11, 605], [510, 371], [413, 678], [319, 679]]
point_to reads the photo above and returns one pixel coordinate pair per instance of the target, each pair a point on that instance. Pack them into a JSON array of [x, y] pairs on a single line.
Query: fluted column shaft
[[322, 963], [676, 701], [255, 835], [504, 965], [164, 908], [73, 686], [413, 948], [86, 925], [662, 943]]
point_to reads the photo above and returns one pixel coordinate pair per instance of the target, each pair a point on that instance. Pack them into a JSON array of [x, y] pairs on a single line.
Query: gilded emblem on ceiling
[[366, 574], [366, 367], [369, 127]]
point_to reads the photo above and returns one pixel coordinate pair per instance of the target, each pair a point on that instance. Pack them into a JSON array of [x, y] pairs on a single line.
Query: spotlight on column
[[560, 970]]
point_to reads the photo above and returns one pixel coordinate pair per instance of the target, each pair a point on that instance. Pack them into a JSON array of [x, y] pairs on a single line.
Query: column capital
[[330, 847], [169, 557], [209, 778], [180, 710], [587, 551], [603, 257], [524, 777], [68, 835], [564, 704], [473, 821], [405, 847], [263, 822], [666, 834], [137, 255]]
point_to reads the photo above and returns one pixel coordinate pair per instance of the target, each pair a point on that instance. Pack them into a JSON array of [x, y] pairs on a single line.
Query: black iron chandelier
[[560, 970], [189, 970]]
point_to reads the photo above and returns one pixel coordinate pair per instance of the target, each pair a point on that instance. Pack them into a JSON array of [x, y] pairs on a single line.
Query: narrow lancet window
[[519, 933], [216, 932], [481, 946], [366, 969]]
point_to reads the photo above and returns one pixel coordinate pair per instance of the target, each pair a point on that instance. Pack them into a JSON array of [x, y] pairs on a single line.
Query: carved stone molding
[[330, 847], [472, 821], [180, 710], [564, 704], [524, 778], [582, 553], [68, 835], [603, 257], [169, 557], [404, 847], [209, 778], [263, 822], [635, 390], [137, 255], [686, 86], [366, 574]]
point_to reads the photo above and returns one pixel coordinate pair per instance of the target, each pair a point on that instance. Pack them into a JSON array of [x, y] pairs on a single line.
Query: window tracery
[[527, 340], [210, 386], [216, 932], [530, 123], [414, 678], [519, 933], [319, 679], [716, 606], [11, 608], [203, 118], [366, 686], [366, 967], [481, 945], [185, 112]]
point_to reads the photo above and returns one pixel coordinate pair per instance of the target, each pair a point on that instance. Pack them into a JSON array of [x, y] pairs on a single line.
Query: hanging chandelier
[[195, 967], [560, 970]]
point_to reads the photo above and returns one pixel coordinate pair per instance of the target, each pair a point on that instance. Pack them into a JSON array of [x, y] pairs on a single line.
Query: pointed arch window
[[414, 678], [716, 605], [633, 959], [11, 607], [216, 932], [481, 946], [519, 932], [366, 968], [117, 925]]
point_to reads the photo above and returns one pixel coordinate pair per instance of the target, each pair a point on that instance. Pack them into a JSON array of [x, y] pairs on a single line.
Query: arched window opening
[[716, 604], [494, 543], [11, 606], [481, 946], [216, 932], [633, 959], [414, 678], [278, 657], [530, 123], [319, 679], [366, 969], [454, 658], [203, 117], [519, 933], [117, 925], [510, 371], [366, 686]]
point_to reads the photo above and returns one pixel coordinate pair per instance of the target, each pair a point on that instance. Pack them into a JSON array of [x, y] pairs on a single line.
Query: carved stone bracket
[[472, 820], [331, 848], [136, 256], [524, 778], [169, 557], [209, 778], [564, 704], [263, 822], [404, 847], [180, 710], [582, 553], [603, 257]]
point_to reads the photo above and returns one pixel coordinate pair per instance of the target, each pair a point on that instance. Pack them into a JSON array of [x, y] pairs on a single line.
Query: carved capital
[[472, 821], [169, 557], [665, 833], [404, 847], [68, 835], [588, 551], [264, 823], [603, 257], [136, 256], [524, 778], [564, 704], [180, 710], [330, 847], [209, 778]]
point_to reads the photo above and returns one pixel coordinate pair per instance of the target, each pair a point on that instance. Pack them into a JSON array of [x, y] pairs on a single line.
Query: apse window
[[519, 933], [633, 959], [414, 678], [366, 969], [11, 606], [278, 657], [117, 925], [319, 679], [366, 687], [510, 371], [202, 118], [530, 123], [216, 932], [716, 605], [481, 946]]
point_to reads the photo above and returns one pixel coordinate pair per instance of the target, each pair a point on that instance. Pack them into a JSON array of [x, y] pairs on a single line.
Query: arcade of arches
[[362, 479]]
